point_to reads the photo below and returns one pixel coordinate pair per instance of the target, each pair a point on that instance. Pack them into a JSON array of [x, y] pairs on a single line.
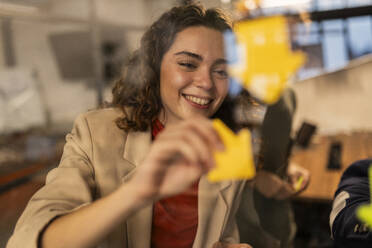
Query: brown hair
[[137, 92]]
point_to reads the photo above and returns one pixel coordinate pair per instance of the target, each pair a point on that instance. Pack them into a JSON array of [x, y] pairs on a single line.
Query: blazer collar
[[137, 146]]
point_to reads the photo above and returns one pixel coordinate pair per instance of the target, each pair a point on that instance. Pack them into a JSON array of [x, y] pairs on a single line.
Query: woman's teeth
[[197, 100]]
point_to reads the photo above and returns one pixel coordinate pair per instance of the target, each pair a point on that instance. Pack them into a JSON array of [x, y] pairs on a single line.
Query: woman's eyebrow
[[220, 61], [199, 57], [194, 55]]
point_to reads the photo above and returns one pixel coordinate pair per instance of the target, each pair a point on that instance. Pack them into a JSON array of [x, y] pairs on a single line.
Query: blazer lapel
[[213, 208], [136, 147]]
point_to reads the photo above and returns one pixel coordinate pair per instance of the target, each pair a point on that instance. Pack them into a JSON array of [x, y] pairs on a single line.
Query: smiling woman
[[131, 177], [139, 88], [193, 79]]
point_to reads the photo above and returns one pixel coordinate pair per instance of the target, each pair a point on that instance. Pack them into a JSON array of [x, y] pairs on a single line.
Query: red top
[[175, 219]]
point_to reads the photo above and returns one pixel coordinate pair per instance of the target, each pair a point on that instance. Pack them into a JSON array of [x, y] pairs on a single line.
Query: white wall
[[63, 99], [66, 99], [337, 102]]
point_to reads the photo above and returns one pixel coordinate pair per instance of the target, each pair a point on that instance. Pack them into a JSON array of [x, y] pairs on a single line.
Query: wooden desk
[[324, 182], [13, 202]]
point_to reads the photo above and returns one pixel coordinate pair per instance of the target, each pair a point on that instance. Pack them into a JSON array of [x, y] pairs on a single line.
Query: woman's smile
[[198, 102]]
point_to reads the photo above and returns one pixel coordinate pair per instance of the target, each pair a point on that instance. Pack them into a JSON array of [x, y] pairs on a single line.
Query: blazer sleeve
[[68, 187]]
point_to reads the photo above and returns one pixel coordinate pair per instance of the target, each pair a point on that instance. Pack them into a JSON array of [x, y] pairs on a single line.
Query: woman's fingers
[[203, 128], [199, 135], [179, 155], [206, 131], [170, 168], [172, 150], [195, 148]]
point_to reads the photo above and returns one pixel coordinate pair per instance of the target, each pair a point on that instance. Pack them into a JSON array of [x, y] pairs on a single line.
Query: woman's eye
[[221, 73], [187, 65]]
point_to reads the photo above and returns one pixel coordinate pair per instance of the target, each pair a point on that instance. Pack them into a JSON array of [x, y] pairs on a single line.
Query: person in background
[[353, 191], [133, 175], [275, 182]]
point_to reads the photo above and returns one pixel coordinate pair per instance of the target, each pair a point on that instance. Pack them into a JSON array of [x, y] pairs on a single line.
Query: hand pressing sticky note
[[364, 213], [236, 161]]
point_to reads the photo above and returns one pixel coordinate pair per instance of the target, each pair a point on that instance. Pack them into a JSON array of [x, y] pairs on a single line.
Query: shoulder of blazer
[[102, 122], [100, 130]]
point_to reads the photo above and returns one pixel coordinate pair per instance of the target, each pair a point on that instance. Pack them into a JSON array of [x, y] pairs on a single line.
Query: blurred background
[[59, 59]]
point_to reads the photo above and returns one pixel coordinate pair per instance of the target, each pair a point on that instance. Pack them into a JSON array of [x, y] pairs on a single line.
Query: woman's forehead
[[199, 40]]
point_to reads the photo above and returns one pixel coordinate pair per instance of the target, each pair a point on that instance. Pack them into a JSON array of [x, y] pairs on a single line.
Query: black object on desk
[[334, 155], [305, 133]]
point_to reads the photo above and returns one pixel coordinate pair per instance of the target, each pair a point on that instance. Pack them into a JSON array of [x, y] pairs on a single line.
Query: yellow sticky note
[[265, 60], [364, 213], [236, 161], [299, 183]]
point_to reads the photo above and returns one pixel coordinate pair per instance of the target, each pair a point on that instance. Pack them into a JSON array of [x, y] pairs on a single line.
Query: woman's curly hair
[[137, 92]]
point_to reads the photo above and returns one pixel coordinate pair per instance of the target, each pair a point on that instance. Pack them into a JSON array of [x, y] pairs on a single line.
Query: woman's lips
[[198, 102]]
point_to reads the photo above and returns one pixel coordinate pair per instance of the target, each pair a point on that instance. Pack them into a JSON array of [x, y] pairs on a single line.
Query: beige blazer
[[97, 158]]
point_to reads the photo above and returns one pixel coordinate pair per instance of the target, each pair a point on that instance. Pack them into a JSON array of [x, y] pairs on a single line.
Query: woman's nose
[[204, 80]]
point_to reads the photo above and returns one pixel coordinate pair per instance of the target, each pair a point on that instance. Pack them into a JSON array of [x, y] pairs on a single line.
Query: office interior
[[60, 58]]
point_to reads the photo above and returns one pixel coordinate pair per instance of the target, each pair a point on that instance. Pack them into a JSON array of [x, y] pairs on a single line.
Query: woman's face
[[193, 75]]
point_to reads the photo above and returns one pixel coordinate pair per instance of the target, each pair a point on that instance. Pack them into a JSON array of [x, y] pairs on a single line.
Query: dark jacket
[[352, 192]]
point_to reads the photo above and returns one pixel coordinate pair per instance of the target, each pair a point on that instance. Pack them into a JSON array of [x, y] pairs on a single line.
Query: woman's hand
[[178, 157]]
